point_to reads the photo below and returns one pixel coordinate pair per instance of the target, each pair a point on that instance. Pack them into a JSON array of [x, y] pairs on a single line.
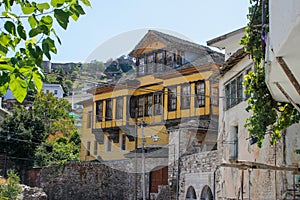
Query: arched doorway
[[191, 194], [206, 193]]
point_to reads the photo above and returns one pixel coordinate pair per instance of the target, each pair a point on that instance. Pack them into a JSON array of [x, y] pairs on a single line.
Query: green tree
[[268, 115], [58, 151], [27, 37], [34, 136], [21, 133], [11, 189], [62, 143]]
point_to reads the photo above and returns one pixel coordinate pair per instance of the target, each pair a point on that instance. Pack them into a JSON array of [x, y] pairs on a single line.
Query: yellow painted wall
[[149, 84]]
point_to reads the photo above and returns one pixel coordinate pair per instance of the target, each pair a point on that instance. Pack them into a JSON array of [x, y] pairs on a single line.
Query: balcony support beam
[[289, 73]]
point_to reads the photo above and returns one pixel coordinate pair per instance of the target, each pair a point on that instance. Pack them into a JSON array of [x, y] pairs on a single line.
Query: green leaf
[[10, 27], [58, 39], [5, 67], [35, 31], [3, 50], [32, 21], [4, 80], [28, 9], [75, 16], [47, 46], [38, 79], [21, 31], [86, 2], [45, 29], [47, 20], [43, 6], [77, 9], [18, 87], [57, 3], [4, 39], [62, 17]]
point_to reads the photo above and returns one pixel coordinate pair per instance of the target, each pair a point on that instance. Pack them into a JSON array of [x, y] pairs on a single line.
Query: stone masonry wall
[[79, 181], [195, 170]]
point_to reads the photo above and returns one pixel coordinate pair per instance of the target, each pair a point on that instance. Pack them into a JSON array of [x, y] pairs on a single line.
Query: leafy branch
[[18, 37], [268, 115]]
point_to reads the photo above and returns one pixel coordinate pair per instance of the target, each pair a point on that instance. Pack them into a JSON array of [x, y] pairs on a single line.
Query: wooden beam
[[244, 165], [289, 73]]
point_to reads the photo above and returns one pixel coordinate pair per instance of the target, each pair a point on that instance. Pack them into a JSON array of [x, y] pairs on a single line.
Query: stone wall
[[79, 181], [195, 170]]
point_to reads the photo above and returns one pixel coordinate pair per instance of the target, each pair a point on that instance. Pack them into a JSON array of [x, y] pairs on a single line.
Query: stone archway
[[191, 194], [206, 193]]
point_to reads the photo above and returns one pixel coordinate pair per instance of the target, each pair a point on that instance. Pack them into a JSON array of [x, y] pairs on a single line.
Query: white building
[[246, 171], [56, 89], [283, 56]]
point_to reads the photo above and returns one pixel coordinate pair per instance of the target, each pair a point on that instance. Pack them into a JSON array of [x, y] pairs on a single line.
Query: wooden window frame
[[200, 96], [157, 103], [133, 106], [119, 107], [99, 110], [172, 99], [185, 96], [108, 109], [148, 105]]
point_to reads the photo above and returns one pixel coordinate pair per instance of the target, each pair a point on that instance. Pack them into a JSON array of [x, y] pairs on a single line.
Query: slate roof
[[233, 60]]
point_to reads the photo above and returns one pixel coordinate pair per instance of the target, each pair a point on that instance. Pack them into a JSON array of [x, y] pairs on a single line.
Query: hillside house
[[174, 89]]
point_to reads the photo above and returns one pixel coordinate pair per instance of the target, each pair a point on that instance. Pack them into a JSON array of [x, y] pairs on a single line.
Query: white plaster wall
[[230, 180], [284, 15]]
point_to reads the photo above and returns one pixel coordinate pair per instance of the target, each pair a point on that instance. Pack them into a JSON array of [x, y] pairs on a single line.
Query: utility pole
[[178, 167], [143, 124]]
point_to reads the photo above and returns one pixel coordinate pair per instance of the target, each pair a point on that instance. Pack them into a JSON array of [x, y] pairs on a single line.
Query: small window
[[95, 148], [200, 94], [55, 92], [108, 110], [185, 96], [122, 142], [88, 148], [172, 99], [141, 66], [233, 151], [233, 89], [119, 108], [99, 111], [158, 104], [108, 144], [133, 107], [148, 105], [140, 106], [239, 88]]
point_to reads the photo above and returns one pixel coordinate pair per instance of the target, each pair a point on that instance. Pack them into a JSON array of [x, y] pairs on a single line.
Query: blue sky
[[106, 21]]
